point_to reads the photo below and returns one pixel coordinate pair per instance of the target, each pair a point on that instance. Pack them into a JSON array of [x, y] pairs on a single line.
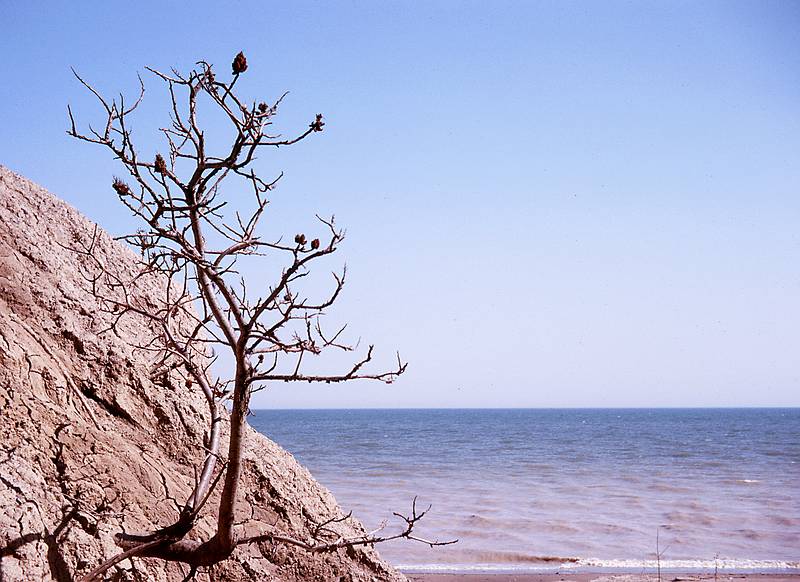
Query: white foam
[[688, 565], [595, 564], [436, 568]]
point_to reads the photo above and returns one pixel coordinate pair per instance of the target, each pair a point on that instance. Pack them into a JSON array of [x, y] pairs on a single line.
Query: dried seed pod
[[160, 165], [317, 124], [300, 239], [262, 107], [315, 244], [239, 64], [121, 187]]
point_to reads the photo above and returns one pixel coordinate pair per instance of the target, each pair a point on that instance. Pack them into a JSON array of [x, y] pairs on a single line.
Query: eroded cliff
[[90, 445]]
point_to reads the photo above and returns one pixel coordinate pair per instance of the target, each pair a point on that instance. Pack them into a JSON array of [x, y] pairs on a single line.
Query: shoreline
[[599, 576]]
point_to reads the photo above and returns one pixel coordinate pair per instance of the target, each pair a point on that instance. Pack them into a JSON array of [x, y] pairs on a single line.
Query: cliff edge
[[90, 445]]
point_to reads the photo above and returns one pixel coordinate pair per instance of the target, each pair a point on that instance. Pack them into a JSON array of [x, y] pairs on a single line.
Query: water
[[530, 489]]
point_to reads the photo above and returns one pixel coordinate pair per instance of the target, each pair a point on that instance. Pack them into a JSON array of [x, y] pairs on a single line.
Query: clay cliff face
[[90, 445]]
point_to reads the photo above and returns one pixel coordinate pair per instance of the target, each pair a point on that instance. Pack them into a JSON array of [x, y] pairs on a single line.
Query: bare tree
[[190, 237]]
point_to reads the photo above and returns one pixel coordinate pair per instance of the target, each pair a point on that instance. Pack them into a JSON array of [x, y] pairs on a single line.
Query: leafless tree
[[191, 238]]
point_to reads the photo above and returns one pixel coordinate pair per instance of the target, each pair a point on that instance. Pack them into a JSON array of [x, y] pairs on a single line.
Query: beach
[[596, 577]]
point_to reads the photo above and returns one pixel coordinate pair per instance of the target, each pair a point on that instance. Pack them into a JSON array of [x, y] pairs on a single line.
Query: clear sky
[[547, 203]]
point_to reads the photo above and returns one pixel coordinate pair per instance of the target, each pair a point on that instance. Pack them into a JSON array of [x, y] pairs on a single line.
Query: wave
[[688, 565], [501, 557], [475, 568]]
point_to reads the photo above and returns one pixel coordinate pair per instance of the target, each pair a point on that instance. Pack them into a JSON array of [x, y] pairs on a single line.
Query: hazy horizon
[[548, 205]]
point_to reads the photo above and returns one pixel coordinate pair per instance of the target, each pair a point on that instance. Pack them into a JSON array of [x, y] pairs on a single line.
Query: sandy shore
[[597, 577]]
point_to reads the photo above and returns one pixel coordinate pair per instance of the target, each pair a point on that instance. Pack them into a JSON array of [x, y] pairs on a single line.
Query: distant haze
[[547, 204]]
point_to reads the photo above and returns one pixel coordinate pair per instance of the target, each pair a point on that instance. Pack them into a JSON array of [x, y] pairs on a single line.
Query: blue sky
[[547, 203]]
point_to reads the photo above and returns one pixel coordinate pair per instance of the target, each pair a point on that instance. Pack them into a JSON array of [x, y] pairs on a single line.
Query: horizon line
[[792, 407]]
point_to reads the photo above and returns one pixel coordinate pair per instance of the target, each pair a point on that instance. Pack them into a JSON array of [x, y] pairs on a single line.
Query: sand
[[597, 577]]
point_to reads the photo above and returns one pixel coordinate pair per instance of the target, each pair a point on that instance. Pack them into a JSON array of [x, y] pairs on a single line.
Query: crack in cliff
[[59, 569], [10, 549], [112, 408], [77, 342]]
